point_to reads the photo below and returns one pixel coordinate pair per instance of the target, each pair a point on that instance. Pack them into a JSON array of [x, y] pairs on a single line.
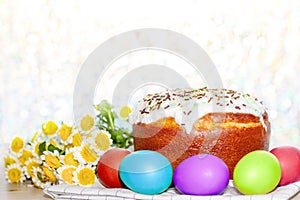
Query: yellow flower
[[9, 160], [87, 122], [77, 139], [49, 128], [85, 176], [68, 159], [88, 154], [49, 175], [65, 132], [102, 140], [17, 144], [66, 174], [26, 154], [30, 164], [39, 179], [14, 174], [35, 147], [125, 111], [51, 159]]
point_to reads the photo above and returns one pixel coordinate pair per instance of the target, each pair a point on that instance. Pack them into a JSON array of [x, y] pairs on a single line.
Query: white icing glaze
[[188, 105]]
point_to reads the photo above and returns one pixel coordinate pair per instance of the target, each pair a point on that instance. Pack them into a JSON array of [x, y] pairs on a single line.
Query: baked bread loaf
[[180, 124]]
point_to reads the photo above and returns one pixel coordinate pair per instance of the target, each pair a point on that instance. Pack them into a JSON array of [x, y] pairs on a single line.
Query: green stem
[[110, 121]]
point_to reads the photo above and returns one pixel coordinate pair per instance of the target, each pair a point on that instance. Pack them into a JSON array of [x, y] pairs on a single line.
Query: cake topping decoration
[[181, 104]]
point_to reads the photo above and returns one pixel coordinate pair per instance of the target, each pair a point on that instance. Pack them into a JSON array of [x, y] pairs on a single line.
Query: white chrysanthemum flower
[[14, 173], [34, 147], [86, 154], [87, 123], [25, 155], [50, 159], [101, 139], [49, 129], [95, 149], [50, 174], [30, 164], [10, 158], [69, 158], [39, 180], [76, 138], [17, 146], [66, 174], [65, 133], [85, 175]]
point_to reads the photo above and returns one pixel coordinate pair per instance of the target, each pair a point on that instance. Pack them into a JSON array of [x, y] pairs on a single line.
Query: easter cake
[[182, 123]]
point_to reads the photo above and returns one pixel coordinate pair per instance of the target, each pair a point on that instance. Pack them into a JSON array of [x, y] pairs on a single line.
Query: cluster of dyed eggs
[[145, 172], [149, 172]]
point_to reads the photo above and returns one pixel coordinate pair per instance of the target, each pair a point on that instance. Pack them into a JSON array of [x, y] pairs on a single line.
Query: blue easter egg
[[146, 172]]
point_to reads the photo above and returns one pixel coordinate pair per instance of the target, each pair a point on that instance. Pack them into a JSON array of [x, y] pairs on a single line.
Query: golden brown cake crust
[[227, 135]]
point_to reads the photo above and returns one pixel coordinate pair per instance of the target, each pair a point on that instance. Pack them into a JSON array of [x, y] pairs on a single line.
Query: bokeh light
[[255, 45]]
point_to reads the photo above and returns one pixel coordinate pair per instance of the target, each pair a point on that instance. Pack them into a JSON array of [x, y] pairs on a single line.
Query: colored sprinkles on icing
[[220, 97]]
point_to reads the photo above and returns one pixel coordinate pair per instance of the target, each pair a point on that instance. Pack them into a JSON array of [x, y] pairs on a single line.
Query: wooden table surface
[[24, 191]]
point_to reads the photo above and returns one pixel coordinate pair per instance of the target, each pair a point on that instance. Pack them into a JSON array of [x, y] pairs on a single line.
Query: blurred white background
[[255, 45]]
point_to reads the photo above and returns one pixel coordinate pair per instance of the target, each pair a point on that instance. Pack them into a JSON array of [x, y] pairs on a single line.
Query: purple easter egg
[[202, 174]]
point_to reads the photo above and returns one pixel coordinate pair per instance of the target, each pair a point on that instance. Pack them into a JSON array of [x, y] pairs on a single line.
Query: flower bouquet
[[66, 153]]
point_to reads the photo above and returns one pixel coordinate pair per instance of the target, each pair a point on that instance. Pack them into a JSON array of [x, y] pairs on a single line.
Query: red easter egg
[[108, 167], [289, 158]]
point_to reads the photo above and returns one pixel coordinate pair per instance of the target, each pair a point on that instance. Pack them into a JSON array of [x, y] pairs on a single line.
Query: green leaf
[[42, 147], [52, 148]]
